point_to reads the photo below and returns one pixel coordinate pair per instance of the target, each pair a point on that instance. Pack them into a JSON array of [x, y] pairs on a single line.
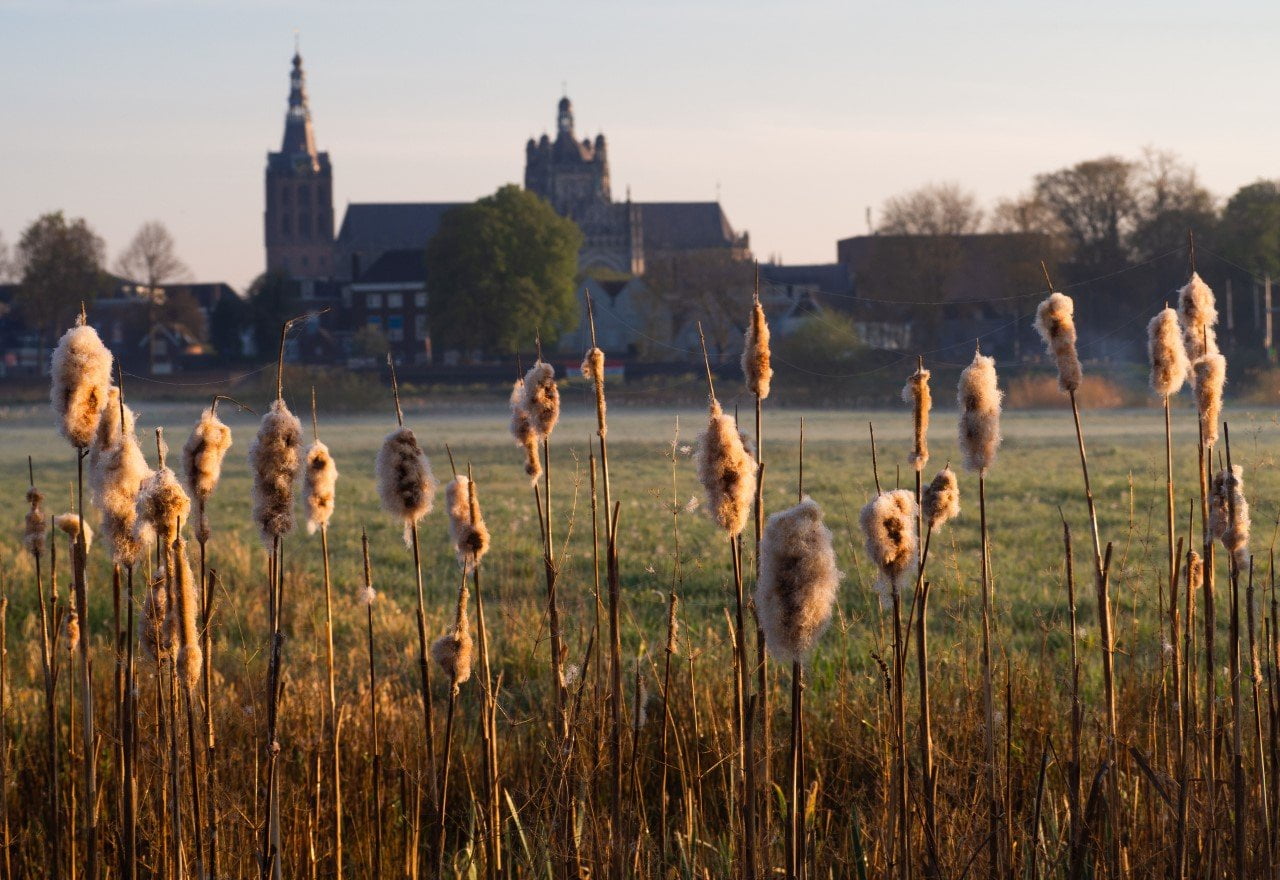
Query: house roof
[[826, 277], [402, 265], [384, 226], [682, 226]]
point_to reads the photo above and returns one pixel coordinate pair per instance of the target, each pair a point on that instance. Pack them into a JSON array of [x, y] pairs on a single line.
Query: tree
[[7, 273], [151, 260], [934, 209], [1096, 202], [1026, 213], [371, 342], [1170, 201], [826, 343], [230, 317], [1249, 231], [711, 287], [273, 299], [501, 270], [60, 267]]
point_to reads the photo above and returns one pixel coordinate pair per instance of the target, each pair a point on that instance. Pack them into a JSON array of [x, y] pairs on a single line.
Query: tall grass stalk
[[367, 597], [1234, 494]]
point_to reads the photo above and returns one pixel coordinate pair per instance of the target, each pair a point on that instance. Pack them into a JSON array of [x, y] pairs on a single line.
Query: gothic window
[[304, 224], [284, 195], [304, 194]]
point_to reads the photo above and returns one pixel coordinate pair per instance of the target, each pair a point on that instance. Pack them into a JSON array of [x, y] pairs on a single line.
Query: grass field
[[1036, 476]]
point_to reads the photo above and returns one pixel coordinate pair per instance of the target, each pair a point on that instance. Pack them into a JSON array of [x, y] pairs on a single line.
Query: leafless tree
[[933, 209], [8, 272], [150, 260]]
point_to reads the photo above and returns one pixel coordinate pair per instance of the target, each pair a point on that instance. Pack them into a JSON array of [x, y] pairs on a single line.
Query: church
[[375, 258]]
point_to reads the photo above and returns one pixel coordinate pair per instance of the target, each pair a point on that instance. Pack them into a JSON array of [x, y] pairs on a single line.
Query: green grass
[[1036, 474]]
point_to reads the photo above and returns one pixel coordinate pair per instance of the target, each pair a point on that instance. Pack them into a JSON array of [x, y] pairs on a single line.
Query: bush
[[1042, 392]]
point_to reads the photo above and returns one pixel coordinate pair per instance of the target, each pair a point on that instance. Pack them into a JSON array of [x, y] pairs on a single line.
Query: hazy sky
[[802, 114]]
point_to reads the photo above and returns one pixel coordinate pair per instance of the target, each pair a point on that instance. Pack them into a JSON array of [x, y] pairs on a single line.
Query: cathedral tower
[[298, 221]]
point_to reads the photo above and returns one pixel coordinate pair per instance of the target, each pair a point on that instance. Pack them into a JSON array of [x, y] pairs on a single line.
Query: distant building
[[298, 221], [390, 300]]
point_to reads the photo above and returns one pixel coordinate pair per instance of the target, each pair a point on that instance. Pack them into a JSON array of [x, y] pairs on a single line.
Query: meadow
[[679, 810]]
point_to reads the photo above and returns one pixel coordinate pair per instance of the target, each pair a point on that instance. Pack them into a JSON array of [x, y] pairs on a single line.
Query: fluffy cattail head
[[1209, 377], [755, 354], [467, 529], [453, 650], [274, 460], [798, 581], [203, 454], [523, 431], [117, 477], [81, 376], [320, 483], [162, 505], [1195, 572], [70, 524], [593, 369], [1168, 353], [940, 501], [673, 624], [154, 632], [71, 629], [405, 482], [1198, 315], [916, 393], [889, 529], [1056, 324], [183, 617], [979, 398], [33, 532], [541, 398], [1229, 513], [727, 471], [108, 432]]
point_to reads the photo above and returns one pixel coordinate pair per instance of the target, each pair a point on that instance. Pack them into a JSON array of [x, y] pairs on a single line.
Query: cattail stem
[[1239, 821], [335, 750], [1210, 628], [197, 806], [795, 804], [130, 817], [900, 740], [615, 685], [424, 666], [988, 696], [210, 740], [373, 712], [442, 806], [746, 764], [762, 668], [928, 779], [1255, 678], [86, 702]]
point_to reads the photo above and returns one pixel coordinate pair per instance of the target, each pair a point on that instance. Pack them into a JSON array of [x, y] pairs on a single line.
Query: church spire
[[299, 139]]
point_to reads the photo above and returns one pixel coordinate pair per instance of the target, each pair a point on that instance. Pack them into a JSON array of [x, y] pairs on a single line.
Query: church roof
[[683, 226], [404, 265], [385, 226]]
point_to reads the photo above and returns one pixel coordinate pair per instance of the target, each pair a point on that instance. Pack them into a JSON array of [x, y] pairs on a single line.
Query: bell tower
[[298, 221]]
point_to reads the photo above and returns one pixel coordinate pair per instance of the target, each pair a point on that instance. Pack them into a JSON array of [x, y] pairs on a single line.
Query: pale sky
[[802, 114]]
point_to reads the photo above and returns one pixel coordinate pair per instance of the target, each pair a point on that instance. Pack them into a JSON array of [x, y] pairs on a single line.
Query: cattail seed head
[[593, 369], [1198, 315], [798, 581], [202, 457], [727, 471], [71, 629], [940, 501], [405, 482], [541, 398], [467, 529], [916, 393], [453, 650], [162, 504], [1168, 353], [1195, 572], [523, 431], [1208, 378], [756, 358], [673, 624], [320, 483], [979, 398], [274, 460], [33, 532], [183, 614], [889, 529], [1055, 322], [1229, 513], [117, 469], [70, 524], [81, 375], [154, 632]]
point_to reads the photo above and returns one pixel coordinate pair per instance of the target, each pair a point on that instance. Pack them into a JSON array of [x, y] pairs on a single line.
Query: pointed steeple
[[299, 138]]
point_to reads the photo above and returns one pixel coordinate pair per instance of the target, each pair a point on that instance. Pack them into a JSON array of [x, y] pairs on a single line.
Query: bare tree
[[933, 209], [1097, 202], [1026, 213], [8, 271], [712, 287], [150, 261]]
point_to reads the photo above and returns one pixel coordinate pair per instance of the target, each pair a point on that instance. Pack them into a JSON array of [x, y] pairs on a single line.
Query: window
[[373, 321], [304, 224], [420, 326], [284, 195], [420, 299], [305, 261], [304, 194], [395, 300], [395, 328], [373, 301], [285, 226]]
